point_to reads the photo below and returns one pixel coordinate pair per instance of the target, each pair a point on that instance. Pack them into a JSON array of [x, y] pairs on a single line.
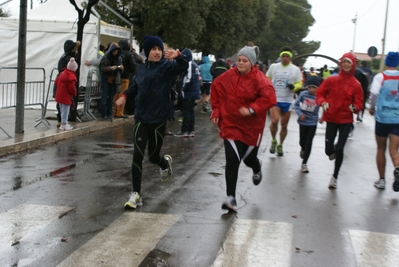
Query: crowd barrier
[[92, 92], [35, 91], [88, 94]]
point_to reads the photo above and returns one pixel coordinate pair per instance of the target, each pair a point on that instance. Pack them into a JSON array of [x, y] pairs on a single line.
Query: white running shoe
[[134, 201], [66, 127], [167, 173], [304, 168], [380, 183], [333, 183], [230, 204]]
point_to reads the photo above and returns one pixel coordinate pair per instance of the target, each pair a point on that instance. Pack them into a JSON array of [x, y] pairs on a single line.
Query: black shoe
[[396, 183]]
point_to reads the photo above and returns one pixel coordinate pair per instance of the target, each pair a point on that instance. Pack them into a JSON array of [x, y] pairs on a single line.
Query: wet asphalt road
[[91, 176]]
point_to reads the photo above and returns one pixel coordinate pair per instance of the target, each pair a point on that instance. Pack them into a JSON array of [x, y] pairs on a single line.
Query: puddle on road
[[115, 145], [156, 258]]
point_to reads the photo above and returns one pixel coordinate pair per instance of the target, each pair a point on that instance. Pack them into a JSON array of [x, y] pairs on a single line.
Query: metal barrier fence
[[92, 92], [88, 94], [49, 95], [35, 92]]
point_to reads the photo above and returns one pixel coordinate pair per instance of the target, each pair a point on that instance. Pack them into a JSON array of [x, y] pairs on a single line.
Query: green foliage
[[4, 14], [219, 26]]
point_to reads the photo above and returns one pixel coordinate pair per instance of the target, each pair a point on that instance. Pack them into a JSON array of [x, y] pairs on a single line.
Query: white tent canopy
[[48, 26]]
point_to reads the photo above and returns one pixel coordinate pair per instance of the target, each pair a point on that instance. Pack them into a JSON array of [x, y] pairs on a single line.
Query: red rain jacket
[[339, 92], [66, 87], [231, 91]]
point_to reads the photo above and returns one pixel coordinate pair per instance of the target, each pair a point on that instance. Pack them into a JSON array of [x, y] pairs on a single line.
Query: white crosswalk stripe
[[125, 242], [256, 243], [375, 249], [129, 239]]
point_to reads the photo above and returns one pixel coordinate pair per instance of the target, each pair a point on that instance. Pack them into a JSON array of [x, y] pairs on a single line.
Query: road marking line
[[375, 249], [256, 243], [25, 219], [125, 242]]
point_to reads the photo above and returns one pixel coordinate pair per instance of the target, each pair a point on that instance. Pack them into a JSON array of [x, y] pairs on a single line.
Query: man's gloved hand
[[352, 108], [325, 106], [290, 86]]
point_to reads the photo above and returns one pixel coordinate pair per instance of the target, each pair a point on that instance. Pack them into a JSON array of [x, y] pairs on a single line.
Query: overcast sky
[[334, 27], [336, 31]]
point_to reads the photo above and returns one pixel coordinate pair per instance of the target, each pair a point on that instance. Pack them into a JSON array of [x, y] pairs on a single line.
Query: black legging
[[154, 134], [338, 148], [235, 152], [306, 134]]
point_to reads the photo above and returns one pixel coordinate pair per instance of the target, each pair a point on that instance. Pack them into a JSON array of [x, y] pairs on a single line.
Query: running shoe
[[230, 204], [304, 168], [273, 146], [181, 134], [134, 201], [333, 183], [167, 173], [280, 151], [380, 183], [396, 183], [257, 177], [66, 127]]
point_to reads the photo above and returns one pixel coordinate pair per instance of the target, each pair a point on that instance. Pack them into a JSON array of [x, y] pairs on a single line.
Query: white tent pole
[[5, 2], [99, 29]]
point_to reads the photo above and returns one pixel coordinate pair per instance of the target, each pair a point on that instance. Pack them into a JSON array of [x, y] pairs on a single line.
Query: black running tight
[[235, 152], [153, 134], [338, 148]]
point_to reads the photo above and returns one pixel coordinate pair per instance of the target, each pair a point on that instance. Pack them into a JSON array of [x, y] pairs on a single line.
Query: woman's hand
[[215, 120]]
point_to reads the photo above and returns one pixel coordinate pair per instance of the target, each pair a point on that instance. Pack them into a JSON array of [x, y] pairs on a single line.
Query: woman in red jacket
[[340, 96], [240, 98], [66, 90]]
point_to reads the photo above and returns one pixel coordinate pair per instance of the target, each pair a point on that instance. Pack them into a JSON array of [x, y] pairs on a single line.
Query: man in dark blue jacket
[[190, 91], [152, 85]]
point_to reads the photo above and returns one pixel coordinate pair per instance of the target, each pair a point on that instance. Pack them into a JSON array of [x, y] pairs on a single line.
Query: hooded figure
[[110, 68], [70, 50], [340, 96], [339, 92]]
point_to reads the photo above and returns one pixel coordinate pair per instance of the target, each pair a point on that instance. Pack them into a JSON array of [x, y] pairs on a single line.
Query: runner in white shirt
[[287, 79]]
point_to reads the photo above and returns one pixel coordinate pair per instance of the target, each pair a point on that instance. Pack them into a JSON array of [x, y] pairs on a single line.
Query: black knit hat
[[313, 80], [150, 42]]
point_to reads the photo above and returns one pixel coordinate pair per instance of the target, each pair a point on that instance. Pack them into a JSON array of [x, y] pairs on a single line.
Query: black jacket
[[218, 67]]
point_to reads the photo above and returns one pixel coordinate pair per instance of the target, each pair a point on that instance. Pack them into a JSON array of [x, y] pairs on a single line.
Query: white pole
[[354, 33], [383, 40]]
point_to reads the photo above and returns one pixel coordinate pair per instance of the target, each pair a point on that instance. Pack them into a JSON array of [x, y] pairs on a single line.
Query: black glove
[[290, 86]]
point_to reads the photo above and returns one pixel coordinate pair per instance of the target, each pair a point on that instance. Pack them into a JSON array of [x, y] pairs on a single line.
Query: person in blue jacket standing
[[151, 87], [206, 77], [308, 115], [190, 91]]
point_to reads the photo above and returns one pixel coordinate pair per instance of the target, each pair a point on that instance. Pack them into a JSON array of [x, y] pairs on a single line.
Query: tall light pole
[[354, 33], [383, 40]]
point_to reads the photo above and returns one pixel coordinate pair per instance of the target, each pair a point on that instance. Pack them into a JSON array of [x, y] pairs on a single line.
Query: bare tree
[[83, 18]]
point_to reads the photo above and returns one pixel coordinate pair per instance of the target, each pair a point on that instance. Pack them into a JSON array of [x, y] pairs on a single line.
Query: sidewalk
[[34, 137]]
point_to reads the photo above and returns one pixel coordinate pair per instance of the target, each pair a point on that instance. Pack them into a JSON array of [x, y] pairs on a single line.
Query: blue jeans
[[107, 98]]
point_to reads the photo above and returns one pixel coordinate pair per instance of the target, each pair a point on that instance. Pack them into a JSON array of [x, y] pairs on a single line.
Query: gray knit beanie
[[251, 52]]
